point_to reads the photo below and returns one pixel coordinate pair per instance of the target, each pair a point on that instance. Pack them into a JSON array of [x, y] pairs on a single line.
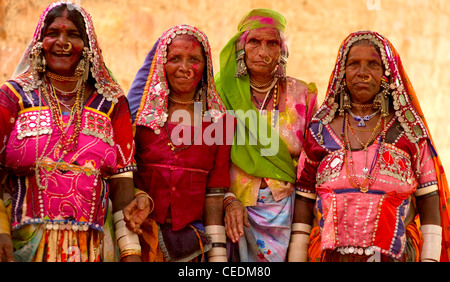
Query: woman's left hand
[[136, 212]]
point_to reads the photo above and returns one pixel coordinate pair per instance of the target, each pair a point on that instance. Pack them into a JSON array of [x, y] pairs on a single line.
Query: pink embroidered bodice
[[361, 222], [64, 189]]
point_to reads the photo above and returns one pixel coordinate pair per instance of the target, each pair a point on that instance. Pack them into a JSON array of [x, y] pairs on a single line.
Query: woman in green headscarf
[[272, 112]]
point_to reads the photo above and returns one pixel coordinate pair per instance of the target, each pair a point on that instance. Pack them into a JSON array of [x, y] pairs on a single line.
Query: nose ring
[[67, 47], [367, 78], [189, 74], [267, 60]]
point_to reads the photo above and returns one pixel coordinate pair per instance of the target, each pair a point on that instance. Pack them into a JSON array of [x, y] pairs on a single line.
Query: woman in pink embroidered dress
[[367, 166], [65, 128]]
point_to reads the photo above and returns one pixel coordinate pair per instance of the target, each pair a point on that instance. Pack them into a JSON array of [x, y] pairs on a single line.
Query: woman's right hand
[[236, 217], [6, 248], [136, 212]]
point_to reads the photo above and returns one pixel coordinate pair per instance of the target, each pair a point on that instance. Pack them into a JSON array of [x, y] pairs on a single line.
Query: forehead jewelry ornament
[[267, 60], [367, 78], [189, 74], [67, 47]]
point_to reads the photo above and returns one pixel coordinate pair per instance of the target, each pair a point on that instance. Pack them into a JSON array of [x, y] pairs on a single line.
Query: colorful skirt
[[267, 238], [36, 243]]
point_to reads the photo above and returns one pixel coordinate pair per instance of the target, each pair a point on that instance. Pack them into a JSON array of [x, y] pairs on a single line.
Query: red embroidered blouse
[[179, 179]]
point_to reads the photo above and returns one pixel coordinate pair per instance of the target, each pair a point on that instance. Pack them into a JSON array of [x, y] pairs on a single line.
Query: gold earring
[[281, 68], [37, 59], [381, 99], [344, 102], [82, 68], [241, 67]]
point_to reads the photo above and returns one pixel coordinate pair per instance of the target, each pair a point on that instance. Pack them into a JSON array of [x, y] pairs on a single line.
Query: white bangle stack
[[432, 239], [298, 245], [127, 240], [218, 252]]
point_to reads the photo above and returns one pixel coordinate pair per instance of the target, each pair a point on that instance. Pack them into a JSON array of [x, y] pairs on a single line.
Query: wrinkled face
[[363, 72], [262, 50], [61, 32], [185, 65]]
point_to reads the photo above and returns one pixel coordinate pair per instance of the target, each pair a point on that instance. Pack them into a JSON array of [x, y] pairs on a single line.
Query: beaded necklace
[[255, 85], [61, 78], [272, 90], [67, 143], [181, 102], [369, 175]]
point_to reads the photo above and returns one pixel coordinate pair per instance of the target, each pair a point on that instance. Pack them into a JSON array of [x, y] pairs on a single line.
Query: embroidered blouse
[[351, 221], [70, 189], [178, 180]]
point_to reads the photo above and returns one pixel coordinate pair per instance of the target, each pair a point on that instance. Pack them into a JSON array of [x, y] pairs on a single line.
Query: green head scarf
[[257, 156]]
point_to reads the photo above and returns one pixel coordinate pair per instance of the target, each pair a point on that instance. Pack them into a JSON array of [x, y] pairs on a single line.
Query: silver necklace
[[361, 120]]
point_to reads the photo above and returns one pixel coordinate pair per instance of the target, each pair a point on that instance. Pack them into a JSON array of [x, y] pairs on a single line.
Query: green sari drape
[[255, 148]]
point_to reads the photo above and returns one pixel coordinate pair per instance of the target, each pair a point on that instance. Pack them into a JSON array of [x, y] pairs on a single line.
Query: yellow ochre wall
[[127, 29]]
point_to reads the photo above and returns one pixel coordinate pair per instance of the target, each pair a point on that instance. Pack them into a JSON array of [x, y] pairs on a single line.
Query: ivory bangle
[[302, 227], [298, 252], [127, 174], [117, 216], [432, 239], [300, 239], [215, 229], [218, 259], [217, 251], [218, 238], [120, 224], [127, 241], [425, 190], [431, 228], [124, 231]]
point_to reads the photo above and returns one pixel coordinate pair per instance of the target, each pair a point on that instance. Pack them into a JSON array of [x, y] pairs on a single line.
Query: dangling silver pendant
[[365, 170]]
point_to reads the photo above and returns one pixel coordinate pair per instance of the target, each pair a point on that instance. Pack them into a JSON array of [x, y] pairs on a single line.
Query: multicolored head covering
[[405, 103], [149, 92], [236, 95], [105, 83], [260, 18]]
